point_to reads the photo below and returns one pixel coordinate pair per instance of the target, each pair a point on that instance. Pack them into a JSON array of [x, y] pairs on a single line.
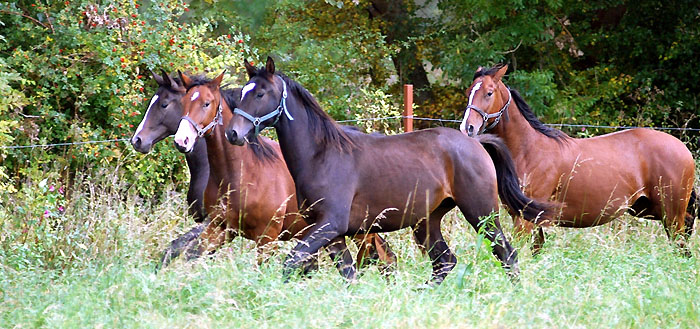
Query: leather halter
[[487, 116], [277, 113], [218, 119]]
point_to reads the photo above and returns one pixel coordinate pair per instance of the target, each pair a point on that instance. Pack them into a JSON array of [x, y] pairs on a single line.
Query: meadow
[[94, 266]]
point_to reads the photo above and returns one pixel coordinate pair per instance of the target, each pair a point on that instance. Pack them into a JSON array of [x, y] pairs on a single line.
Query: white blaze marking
[[185, 135], [474, 90], [153, 101], [463, 125], [194, 96], [246, 89]]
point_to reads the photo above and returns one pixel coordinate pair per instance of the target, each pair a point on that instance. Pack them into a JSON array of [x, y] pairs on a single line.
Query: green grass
[[94, 267]]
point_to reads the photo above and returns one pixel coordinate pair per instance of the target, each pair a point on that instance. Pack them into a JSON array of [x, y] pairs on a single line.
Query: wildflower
[[60, 209], [60, 190], [46, 213], [51, 188]]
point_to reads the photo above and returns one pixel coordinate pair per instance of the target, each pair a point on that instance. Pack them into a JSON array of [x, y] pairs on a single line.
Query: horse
[[160, 121], [644, 172], [356, 183], [259, 204]]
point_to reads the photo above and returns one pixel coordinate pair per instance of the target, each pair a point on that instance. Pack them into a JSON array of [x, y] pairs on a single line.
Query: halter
[[486, 116], [218, 119], [277, 113]]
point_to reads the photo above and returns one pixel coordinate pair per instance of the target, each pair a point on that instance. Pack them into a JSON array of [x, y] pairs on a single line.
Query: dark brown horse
[[250, 191], [642, 171], [360, 183], [160, 121]]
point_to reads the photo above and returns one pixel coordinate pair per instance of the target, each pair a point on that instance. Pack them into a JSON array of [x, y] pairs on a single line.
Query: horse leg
[[338, 251], [263, 235], [428, 234], [213, 236], [668, 208], [178, 245], [523, 230], [327, 228], [373, 248], [691, 213], [492, 230]]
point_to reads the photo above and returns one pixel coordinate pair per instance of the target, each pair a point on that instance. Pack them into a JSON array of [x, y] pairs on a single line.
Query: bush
[[79, 71]]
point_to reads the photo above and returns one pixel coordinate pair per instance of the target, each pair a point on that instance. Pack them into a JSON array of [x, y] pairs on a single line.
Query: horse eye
[[163, 105], [206, 104], [260, 95], [490, 93]]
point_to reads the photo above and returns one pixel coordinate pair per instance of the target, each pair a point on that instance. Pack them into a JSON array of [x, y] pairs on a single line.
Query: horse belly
[[390, 208], [597, 192]]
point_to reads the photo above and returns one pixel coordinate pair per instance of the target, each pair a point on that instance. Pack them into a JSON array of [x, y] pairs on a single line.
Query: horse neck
[[296, 140], [517, 133], [220, 153]]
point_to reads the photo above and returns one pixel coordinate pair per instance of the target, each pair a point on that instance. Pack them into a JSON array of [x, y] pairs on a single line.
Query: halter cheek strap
[[486, 117], [218, 119], [277, 113]]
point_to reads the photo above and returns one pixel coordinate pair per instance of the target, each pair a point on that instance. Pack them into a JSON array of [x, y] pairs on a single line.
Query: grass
[[93, 266]]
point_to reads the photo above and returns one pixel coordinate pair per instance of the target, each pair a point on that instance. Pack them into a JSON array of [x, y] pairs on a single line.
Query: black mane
[[533, 121], [326, 131], [484, 72], [262, 149]]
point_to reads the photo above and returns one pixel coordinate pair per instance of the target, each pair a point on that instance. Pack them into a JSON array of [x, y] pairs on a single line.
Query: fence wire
[[13, 147]]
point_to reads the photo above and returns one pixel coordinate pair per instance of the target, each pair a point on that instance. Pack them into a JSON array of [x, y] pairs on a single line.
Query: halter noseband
[[277, 113], [218, 119], [487, 116]]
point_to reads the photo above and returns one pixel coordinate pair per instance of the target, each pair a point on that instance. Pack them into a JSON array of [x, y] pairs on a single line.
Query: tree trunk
[[398, 28]]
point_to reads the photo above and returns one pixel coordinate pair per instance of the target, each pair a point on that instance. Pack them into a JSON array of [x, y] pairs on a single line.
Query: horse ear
[[167, 82], [186, 81], [270, 65], [501, 72], [217, 81], [175, 84], [158, 78], [250, 68], [479, 69]]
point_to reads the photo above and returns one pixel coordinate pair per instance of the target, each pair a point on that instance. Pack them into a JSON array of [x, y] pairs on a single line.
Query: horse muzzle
[[140, 145], [233, 137]]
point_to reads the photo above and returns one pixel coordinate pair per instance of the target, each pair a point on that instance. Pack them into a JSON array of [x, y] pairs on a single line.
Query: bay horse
[[250, 190], [645, 172], [357, 183]]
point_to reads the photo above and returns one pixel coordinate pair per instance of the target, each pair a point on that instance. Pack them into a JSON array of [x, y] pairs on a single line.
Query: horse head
[[202, 105], [263, 99], [162, 115], [489, 99]]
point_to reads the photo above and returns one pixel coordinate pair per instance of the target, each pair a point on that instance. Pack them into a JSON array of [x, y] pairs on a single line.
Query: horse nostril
[[136, 142], [232, 136], [471, 130]]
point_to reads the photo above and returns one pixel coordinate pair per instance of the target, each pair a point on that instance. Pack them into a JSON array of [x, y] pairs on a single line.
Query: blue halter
[[257, 121]]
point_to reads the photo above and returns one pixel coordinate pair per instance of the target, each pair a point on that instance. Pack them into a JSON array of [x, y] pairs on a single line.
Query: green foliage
[[78, 71], [376, 104], [332, 49], [612, 62]]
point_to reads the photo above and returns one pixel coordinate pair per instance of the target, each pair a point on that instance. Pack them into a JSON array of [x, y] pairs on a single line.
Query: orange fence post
[[407, 108]]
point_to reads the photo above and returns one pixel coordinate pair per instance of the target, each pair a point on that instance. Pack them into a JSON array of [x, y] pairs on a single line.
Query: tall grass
[[92, 265]]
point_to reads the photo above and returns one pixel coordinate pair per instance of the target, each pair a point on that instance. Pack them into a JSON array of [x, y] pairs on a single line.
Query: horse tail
[[509, 185], [691, 213]]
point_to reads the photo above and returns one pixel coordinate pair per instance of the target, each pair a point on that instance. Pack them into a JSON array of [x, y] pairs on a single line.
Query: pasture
[[94, 267]]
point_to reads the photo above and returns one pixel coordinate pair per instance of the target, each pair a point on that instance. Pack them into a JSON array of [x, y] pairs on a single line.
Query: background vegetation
[[81, 226]]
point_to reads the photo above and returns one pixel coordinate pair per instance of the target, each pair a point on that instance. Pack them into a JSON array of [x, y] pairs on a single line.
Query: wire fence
[[14, 147]]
